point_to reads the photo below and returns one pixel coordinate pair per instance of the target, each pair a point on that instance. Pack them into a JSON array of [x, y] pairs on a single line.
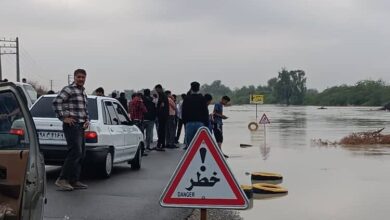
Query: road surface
[[127, 194]]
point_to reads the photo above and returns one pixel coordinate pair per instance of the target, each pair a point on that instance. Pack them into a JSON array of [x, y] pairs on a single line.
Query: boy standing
[[218, 117]]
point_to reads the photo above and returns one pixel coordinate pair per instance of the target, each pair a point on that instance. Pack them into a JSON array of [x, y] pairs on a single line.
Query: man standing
[[137, 110], [122, 99], [70, 106], [218, 117], [171, 122], [149, 118], [99, 91], [162, 116], [179, 117], [195, 112]]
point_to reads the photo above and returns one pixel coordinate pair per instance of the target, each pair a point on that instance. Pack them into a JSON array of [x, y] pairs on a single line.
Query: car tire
[[106, 165], [136, 162]]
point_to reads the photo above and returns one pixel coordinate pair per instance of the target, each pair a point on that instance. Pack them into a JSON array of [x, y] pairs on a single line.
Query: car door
[[131, 140], [22, 171], [117, 137]]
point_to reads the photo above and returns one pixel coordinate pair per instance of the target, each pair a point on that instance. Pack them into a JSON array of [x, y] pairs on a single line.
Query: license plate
[[51, 135]]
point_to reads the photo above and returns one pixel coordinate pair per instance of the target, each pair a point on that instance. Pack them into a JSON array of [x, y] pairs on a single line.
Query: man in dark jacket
[[195, 112], [149, 118], [122, 99], [162, 116]]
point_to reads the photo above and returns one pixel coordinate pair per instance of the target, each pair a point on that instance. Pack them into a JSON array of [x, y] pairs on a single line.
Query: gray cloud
[[136, 44]]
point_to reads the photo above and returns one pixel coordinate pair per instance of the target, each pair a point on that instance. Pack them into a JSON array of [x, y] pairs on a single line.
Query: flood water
[[324, 182]]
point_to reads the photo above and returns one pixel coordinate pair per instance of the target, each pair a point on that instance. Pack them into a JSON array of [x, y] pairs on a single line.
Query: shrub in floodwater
[[366, 138], [359, 138]]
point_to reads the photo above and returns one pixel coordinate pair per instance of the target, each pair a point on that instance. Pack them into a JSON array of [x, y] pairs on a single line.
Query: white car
[[111, 137]]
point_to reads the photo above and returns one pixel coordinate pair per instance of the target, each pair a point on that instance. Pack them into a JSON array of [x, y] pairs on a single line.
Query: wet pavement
[[127, 194]]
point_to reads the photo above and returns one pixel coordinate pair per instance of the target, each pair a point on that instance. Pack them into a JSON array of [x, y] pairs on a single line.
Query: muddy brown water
[[324, 182]]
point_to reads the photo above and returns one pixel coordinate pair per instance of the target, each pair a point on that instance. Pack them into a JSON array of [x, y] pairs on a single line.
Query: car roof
[[21, 83]]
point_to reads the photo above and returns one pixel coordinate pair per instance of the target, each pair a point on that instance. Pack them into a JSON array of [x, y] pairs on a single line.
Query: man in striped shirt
[[70, 106]]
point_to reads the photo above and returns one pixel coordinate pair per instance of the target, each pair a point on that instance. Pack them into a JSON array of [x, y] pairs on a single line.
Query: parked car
[[111, 137], [22, 169]]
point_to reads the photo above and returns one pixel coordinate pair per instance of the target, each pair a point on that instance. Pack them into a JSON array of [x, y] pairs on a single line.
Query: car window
[[106, 119], [13, 133], [106, 114], [31, 92], [112, 113], [43, 108], [121, 113]]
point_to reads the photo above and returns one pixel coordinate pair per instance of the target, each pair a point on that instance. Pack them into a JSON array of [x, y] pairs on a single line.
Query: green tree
[[298, 86], [216, 89], [290, 87]]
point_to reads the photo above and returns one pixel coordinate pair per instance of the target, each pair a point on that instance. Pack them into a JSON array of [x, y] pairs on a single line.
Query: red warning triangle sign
[[203, 179], [264, 120]]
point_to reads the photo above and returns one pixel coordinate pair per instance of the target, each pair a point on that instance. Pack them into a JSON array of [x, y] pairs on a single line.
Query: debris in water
[[358, 138], [246, 145], [324, 142], [370, 137]]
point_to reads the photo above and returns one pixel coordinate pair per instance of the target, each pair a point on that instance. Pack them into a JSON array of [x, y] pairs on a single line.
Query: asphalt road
[[127, 194]]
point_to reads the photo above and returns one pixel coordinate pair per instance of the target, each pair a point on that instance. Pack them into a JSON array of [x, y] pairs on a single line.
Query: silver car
[[22, 170]]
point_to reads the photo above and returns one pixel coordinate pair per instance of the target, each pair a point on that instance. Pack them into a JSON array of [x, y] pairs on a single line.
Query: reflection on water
[[268, 196], [265, 151], [334, 182], [373, 150], [259, 139]]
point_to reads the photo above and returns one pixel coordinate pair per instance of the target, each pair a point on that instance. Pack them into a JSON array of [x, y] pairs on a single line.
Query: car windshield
[[31, 92], [43, 108]]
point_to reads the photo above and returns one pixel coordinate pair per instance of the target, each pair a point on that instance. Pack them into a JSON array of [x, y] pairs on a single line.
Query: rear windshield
[[31, 92], [44, 108]]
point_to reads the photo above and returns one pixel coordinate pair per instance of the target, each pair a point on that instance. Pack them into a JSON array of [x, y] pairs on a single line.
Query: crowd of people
[[170, 113], [146, 110]]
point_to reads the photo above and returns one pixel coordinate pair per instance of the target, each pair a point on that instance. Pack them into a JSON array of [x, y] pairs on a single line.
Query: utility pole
[[69, 79], [17, 60], [51, 84], [14, 49], [1, 71]]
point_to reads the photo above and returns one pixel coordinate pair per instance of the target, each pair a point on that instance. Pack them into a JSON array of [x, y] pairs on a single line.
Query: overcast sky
[[135, 44]]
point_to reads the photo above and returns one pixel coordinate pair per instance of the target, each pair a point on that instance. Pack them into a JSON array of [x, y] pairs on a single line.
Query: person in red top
[[137, 110]]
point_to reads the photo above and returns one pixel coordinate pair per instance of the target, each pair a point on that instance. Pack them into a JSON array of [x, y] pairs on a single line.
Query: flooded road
[[324, 182]]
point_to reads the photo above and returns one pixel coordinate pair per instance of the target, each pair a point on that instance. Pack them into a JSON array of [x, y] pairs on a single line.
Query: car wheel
[[106, 165], [136, 162]]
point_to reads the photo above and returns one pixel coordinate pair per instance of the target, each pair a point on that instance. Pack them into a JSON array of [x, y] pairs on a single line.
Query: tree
[[298, 86], [216, 89], [289, 87]]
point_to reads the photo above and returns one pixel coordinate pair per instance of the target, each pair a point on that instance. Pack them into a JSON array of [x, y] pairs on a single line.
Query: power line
[[33, 63]]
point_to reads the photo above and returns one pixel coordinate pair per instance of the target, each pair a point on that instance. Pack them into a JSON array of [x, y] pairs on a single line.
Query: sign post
[[203, 179], [264, 120], [256, 99]]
